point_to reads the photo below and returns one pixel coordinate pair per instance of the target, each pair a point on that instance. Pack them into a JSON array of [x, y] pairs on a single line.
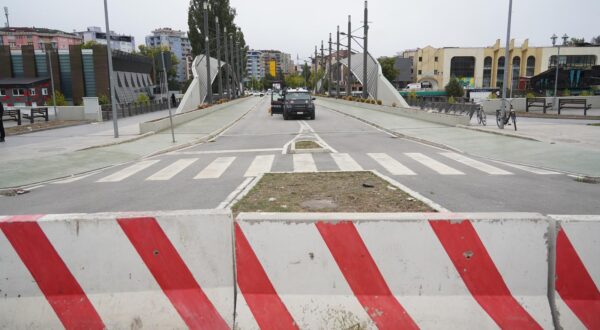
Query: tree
[[575, 42], [387, 67], [294, 81], [596, 40], [154, 54], [89, 44], [196, 33], [454, 88]]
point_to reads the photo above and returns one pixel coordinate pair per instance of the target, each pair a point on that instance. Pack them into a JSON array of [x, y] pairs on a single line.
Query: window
[[462, 67], [530, 70], [435, 72], [516, 71], [500, 72], [419, 72], [32, 91], [18, 92], [487, 72], [436, 59], [574, 61], [420, 59], [44, 91], [2, 92]]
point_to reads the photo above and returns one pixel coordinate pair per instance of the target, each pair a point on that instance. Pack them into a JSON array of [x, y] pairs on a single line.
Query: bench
[[14, 114], [574, 104], [36, 113], [536, 102]]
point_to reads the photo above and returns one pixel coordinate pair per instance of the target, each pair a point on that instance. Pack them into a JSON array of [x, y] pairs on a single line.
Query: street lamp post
[[506, 60], [329, 69], [337, 59], [51, 81], [206, 7], [233, 74], [322, 64], [111, 85], [365, 54], [349, 82], [219, 57], [166, 84], [316, 71], [554, 37], [227, 81], [241, 62]]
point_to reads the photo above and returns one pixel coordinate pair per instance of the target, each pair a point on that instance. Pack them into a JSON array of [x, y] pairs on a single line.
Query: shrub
[[566, 92], [454, 88], [103, 100], [60, 100], [394, 104], [585, 93], [412, 95], [142, 99], [451, 100], [379, 102], [530, 95], [492, 96]]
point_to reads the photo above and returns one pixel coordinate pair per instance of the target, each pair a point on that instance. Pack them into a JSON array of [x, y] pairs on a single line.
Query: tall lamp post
[[337, 59], [113, 99], [206, 6], [365, 53], [219, 57], [506, 61], [329, 69], [349, 82], [227, 82], [564, 38]]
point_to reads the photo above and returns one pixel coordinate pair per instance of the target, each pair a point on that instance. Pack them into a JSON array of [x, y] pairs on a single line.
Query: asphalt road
[[205, 175]]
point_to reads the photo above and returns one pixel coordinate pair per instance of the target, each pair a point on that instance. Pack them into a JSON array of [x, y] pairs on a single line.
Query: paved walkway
[[37, 157], [574, 158]]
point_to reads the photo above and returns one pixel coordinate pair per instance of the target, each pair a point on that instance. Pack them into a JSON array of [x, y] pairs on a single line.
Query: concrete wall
[[434, 117], [490, 106]]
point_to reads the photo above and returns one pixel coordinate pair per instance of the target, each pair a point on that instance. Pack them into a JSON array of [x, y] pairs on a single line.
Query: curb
[[515, 135], [50, 128], [118, 142]]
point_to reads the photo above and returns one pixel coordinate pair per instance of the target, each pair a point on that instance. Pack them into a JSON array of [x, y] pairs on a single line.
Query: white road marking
[[260, 164], [390, 164], [530, 169], [234, 194], [321, 141], [170, 171], [206, 152], [215, 169], [434, 164], [304, 163], [346, 163], [75, 178], [129, 171], [475, 164]]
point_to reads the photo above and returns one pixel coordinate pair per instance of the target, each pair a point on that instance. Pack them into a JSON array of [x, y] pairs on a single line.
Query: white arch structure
[[378, 86], [196, 92]]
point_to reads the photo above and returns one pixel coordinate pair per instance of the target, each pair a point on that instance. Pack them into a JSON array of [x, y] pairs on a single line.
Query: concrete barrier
[[434, 117], [158, 270], [440, 271], [577, 271], [161, 124]]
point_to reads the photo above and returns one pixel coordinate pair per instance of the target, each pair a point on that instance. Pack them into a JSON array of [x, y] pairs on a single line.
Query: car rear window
[[298, 96]]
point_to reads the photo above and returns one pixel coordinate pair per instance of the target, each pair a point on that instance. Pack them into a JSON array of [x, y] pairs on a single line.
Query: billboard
[[272, 68]]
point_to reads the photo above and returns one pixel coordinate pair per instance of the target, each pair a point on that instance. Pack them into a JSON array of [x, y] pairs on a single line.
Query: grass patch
[[327, 192], [307, 145], [594, 124], [40, 126]]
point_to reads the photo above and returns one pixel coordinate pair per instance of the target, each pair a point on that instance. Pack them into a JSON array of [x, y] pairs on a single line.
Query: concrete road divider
[[161, 270], [407, 271], [577, 271]]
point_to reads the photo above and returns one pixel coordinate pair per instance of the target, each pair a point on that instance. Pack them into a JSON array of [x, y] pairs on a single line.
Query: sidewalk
[[560, 156], [38, 157]]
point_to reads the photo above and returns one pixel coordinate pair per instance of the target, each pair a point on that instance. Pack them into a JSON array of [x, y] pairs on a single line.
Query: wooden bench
[[14, 114], [536, 102], [36, 113], [573, 104]]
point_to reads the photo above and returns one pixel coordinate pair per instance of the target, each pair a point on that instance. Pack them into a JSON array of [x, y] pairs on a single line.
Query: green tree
[[154, 54], [89, 44], [454, 88], [387, 67], [575, 41], [294, 81], [60, 100], [596, 40]]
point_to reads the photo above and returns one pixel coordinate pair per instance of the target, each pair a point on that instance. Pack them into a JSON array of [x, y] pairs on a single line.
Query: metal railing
[[134, 109], [466, 109]]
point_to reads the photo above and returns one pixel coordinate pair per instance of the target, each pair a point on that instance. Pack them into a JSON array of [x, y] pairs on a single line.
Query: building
[[255, 68], [483, 67], [25, 91], [16, 37], [76, 72], [119, 42], [179, 44]]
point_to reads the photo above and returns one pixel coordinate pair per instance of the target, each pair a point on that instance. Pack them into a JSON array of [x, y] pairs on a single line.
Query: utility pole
[[316, 71], [337, 60], [111, 81], [506, 60], [228, 71], [233, 74], [209, 99], [365, 54], [322, 64], [219, 57], [162, 57], [349, 82], [51, 80], [241, 66], [237, 62], [329, 71]]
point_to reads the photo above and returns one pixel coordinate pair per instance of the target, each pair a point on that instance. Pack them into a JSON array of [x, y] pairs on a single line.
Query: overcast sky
[[296, 27]]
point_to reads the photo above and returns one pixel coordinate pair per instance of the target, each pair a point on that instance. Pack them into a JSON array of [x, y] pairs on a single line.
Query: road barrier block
[[577, 271], [431, 270], [117, 270]]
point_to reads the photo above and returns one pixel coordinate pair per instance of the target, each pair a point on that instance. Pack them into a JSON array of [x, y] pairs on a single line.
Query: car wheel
[[312, 116], [285, 115]]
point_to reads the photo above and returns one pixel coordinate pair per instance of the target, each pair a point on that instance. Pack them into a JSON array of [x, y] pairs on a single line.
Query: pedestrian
[[2, 133], [173, 100]]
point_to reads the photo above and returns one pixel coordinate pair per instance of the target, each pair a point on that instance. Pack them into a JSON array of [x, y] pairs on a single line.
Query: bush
[[530, 95], [379, 102], [585, 93], [412, 95], [451, 100], [394, 104], [60, 100], [143, 99], [492, 96], [454, 88], [566, 92], [103, 100]]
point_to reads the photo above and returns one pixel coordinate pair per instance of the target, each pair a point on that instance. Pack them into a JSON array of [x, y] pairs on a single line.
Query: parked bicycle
[[481, 117], [504, 117]]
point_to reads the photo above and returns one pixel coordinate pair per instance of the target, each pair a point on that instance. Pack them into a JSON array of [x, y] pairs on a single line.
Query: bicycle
[[481, 117], [505, 118]]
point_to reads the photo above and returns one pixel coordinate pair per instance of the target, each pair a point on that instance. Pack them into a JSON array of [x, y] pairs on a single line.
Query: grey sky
[[296, 27]]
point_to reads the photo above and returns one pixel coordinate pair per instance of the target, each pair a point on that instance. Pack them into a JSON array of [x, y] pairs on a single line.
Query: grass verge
[[307, 145]]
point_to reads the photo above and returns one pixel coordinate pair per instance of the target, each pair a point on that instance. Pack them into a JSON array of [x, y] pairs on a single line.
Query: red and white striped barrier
[[577, 272], [392, 271], [117, 270]]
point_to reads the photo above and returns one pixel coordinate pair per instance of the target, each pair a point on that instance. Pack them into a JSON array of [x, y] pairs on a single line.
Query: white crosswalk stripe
[[215, 169], [434, 164], [390, 164], [531, 169], [170, 171], [128, 171], [346, 163], [304, 163], [261, 164], [489, 169]]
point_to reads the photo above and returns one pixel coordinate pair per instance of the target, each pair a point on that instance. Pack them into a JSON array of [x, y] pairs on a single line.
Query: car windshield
[[298, 96]]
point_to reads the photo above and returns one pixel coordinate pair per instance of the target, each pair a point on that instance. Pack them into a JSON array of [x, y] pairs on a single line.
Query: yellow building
[[483, 67]]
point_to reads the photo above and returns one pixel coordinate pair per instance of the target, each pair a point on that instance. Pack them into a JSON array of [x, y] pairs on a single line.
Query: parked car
[[298, 103], [277, 102]]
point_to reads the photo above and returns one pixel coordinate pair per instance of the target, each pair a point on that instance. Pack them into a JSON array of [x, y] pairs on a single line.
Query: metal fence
[[466, 109], [134, 109]]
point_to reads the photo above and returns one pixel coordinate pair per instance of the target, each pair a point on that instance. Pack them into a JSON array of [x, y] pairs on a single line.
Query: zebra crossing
[[405, 164]]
